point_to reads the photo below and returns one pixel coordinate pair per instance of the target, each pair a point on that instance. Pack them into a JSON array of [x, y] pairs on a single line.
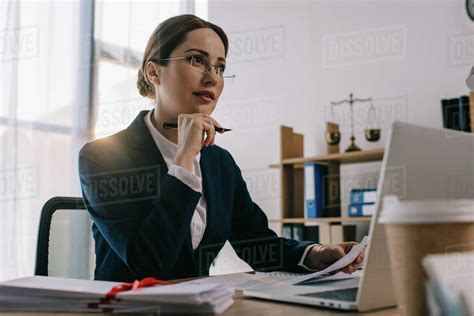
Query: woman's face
[[178, 82]]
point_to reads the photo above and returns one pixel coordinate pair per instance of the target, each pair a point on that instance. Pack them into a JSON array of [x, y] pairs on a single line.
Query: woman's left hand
[[321, 256]]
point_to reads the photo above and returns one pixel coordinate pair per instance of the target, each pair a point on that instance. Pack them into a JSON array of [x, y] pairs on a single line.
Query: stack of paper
[[257, 280], [50, 294], [450, 288], [252, 281]]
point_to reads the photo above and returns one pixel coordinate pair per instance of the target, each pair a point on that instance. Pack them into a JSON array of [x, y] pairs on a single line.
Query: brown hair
[[168, 35]]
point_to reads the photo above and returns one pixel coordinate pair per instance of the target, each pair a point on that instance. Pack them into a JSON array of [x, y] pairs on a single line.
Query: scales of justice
[[332, 134]]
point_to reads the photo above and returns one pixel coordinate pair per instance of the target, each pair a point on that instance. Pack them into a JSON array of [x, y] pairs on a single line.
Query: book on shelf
[[342, 233], [464, 114], [311, 232], [362, 202], [320, 233], [298, 232], [358, 196], [314, 232], [471, 110], [293, 231], [456, 113], [287, 231], [315, 183], [324, 234], [449, 111], [361, 209]]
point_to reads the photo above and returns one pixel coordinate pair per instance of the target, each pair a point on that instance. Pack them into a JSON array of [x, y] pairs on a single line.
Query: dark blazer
[[141, 215]]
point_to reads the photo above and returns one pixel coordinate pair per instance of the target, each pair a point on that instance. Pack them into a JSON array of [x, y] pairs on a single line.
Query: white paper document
[[339, 264], [39, 293], [251, 281], [333, 277]]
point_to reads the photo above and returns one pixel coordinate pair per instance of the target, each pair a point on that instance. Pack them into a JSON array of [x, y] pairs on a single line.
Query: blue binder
[[361, 209], [315, 178], [358, 196]]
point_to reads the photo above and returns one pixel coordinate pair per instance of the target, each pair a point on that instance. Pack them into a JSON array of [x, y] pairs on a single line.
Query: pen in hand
[[175, 125]]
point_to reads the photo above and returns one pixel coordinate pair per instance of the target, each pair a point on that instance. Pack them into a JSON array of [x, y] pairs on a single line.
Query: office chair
[[65, 246]]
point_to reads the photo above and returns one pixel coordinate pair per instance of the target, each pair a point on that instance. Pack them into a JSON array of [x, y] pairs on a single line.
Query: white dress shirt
[[192, 179]]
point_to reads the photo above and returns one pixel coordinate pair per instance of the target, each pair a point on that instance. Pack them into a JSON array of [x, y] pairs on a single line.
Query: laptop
[[419, 163]]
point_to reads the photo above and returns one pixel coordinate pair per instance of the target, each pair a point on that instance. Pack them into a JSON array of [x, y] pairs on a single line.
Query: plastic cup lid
[[426, 211]]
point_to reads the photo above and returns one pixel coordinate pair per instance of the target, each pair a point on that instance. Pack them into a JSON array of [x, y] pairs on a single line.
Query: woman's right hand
[[194, 131]]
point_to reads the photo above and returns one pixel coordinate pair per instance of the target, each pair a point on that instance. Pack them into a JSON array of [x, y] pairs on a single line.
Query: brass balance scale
[[332, 134]]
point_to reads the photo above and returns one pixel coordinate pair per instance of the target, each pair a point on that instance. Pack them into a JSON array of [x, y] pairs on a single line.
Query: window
[[44, 59], [122, 30]]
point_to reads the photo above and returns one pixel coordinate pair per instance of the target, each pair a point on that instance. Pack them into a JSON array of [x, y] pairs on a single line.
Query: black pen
[[175, 125]]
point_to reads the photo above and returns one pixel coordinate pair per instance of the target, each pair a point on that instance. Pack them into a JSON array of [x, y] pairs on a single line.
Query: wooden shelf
[[291, 171], [321, 220], [350, 157]]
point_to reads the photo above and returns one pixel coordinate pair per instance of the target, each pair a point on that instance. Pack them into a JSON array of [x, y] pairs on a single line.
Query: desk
[[244, 306], [253, 306]]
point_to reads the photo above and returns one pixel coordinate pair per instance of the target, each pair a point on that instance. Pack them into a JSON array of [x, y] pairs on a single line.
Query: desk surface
[[243, 306], [251, 306]]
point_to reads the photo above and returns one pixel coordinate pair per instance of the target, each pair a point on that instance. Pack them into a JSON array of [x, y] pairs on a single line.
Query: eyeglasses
[[201, 64]]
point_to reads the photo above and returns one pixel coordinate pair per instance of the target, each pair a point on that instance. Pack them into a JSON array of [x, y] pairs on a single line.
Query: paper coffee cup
[[415, 229]]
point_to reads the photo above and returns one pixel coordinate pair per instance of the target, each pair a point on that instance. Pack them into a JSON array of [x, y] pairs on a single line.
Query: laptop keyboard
[[347, 295]]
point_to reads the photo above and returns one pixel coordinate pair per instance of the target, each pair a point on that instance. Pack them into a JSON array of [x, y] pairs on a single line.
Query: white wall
[[292, 58]]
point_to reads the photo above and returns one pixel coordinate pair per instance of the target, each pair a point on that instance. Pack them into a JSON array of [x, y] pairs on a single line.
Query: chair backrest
[[65, 245]]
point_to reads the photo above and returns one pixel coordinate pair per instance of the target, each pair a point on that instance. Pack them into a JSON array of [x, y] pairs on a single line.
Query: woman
[[164, 201]]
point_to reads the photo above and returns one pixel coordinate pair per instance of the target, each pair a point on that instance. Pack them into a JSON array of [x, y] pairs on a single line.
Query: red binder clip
[[146, 282]]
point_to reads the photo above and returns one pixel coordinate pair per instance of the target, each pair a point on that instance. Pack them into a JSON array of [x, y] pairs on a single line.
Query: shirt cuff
[[301, 264], [185, 176]]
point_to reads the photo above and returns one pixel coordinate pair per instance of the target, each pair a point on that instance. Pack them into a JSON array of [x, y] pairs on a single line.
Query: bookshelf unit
[[292, 179]]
